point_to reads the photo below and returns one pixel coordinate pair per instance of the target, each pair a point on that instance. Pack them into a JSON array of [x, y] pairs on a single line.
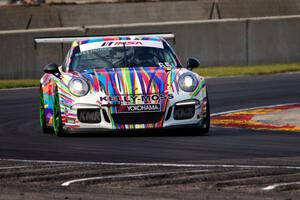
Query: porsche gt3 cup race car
[[122, 83]]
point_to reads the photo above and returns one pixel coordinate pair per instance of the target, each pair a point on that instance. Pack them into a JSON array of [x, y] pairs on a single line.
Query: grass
[[218, 71], [244, 70], [19, 83]]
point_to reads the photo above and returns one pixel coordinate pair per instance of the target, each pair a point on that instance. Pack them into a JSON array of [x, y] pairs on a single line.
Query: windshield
[[122, 56]]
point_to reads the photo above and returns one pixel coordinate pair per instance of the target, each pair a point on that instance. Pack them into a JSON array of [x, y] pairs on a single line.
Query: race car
[[122, 83]]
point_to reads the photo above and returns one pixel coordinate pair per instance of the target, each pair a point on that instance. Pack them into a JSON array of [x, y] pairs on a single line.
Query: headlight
[[188, 82], [78, 87]]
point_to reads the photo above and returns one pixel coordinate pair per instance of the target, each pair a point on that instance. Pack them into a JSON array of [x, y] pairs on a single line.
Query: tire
[[43, 124], [57, 122], [204, 130], [206, 124]]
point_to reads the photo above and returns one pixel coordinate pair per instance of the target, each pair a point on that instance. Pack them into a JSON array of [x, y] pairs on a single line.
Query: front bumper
[[108, 123], [169, 129]]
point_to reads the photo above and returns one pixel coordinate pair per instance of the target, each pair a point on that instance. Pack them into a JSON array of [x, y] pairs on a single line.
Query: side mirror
[[51, 68], [192, 63]]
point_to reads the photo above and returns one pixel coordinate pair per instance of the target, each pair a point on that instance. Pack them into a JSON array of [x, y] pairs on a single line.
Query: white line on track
[[11, 89], [129, 176], [14, 167], [274, 186], [156, 164], [247, 109]]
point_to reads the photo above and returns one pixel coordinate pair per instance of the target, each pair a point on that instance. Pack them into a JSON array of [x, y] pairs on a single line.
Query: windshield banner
[[120, 43]]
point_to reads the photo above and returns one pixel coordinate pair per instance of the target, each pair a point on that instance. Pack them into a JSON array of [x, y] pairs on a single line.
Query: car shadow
[[143, 133]]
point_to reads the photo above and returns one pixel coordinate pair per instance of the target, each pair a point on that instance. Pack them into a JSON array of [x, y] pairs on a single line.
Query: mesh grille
[[138, 118]]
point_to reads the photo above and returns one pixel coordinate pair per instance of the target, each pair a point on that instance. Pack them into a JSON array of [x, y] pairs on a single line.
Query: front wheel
[[43, 123], [206, 120], [205, 124], [57, 122]]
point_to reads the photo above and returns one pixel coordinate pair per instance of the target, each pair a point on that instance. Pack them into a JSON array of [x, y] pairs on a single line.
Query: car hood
[[131, 81]]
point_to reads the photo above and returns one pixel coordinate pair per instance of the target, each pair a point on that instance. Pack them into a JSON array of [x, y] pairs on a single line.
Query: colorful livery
[[122, 83]]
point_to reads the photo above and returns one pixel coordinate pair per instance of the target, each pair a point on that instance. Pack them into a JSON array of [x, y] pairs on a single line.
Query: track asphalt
[[21, 137]]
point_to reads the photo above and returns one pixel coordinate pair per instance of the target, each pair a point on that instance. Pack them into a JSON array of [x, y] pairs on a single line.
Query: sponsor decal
[[184, 112], [89, 115], [118, 43], [139, 108], [121, 43], [165, 65], [105, 44], [135, 98]]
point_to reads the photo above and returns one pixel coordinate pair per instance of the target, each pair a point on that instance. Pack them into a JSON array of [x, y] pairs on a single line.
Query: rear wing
[[55, 40]]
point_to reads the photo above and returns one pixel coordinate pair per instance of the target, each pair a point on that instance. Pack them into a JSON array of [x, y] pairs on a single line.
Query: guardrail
[[214, 42]]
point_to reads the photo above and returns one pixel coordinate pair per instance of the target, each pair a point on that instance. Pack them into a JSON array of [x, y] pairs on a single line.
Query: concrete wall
[[214, 42], [274, 40], [20, 17], [20, 58], [47, 16], [257, 8], [103, 14]]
